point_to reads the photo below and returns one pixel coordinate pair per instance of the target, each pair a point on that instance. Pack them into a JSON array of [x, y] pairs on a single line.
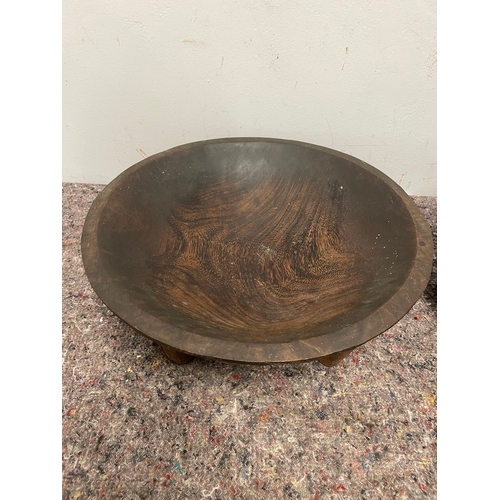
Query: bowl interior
[[255, 241]]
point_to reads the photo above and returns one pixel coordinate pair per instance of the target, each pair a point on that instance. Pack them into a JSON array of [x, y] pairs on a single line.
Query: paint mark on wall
[[345, 59], [87, 35], [431, 63], [330, 129], [192, 42]]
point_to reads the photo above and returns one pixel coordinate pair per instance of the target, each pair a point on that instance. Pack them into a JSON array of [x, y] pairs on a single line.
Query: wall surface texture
[[358, 76]]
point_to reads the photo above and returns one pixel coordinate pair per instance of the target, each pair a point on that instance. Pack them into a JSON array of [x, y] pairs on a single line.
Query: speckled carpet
[[136, 426]]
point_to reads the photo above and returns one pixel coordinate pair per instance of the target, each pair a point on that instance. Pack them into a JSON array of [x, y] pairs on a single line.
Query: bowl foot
[[182, 358], [177, 357], [335, 358]]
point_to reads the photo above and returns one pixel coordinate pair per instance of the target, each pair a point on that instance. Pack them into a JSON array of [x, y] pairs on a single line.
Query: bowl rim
[[348, 337]]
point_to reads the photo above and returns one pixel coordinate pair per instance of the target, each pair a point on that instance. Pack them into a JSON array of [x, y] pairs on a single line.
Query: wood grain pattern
[[256, 250], [270, 263]]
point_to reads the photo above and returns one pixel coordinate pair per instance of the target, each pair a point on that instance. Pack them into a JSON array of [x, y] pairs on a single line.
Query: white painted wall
[[355, 75]]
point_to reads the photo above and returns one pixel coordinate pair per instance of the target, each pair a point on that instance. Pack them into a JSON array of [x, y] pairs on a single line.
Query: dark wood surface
[[256, 250]]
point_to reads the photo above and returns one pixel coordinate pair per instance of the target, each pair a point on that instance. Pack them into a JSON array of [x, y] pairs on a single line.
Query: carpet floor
[[135, 426]]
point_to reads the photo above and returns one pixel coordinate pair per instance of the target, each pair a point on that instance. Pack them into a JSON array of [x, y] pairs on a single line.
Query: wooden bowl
[[256, 250]]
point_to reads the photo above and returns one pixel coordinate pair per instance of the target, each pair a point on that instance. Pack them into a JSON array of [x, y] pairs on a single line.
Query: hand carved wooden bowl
[[256, 251]]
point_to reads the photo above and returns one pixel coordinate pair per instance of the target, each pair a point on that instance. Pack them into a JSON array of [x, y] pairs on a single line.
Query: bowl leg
[[335, 358], [177, 357]]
